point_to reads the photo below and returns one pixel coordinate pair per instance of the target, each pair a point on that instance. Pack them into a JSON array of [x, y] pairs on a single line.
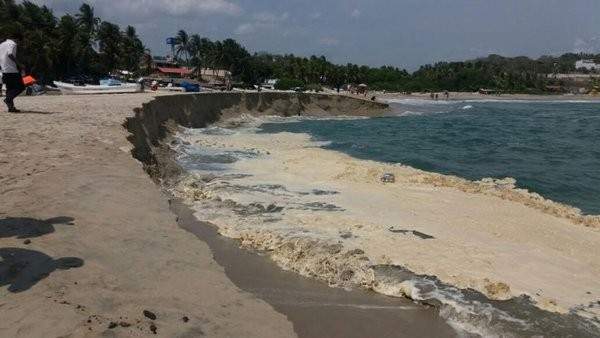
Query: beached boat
[[170, 89], [71, 89]]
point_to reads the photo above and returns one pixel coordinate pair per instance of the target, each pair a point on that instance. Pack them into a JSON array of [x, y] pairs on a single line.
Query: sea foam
[[269, 201]]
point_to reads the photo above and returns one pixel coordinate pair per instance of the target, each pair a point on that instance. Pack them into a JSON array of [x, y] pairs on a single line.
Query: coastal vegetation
[[72, 45], [83, 44], [516, 74]]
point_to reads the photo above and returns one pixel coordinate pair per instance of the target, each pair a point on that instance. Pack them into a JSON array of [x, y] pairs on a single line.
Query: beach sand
[[459, 96], [70, 189], [68, 157], [382, 96], [88, 242]]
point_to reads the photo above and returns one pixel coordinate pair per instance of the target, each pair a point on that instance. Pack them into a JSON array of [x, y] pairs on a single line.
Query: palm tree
[[9, 14], [88, 25], [216, 55], [183, 45], [86, 19], [195, 49], [109, 43], [132, 50], [68, 50]]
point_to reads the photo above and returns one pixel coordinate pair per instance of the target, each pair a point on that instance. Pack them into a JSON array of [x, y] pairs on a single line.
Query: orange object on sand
[[28, 80]]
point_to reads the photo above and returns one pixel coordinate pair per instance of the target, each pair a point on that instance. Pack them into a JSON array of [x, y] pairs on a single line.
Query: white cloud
[[261, 21], [316, 15], [267, 17], [355, 13], [591, 45], [245, 28], [329, 41]]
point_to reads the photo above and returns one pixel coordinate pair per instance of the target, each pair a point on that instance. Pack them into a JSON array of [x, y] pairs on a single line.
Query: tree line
[[508, 74], [56, 48], [83, 44]]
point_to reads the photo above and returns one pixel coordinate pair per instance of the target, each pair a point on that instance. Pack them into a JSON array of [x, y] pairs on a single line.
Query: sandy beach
[[90, 246], [88, 241], [466, 96], [228, 168], [70, 188]]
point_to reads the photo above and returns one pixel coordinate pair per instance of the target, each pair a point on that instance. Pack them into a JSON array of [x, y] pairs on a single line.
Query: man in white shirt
[[11, 71]]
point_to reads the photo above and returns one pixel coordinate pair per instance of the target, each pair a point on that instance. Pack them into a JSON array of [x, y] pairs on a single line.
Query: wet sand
[[315, 309]]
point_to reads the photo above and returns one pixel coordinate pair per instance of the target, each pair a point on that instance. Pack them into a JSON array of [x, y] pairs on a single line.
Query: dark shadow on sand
[[22, 268], [23, 227]]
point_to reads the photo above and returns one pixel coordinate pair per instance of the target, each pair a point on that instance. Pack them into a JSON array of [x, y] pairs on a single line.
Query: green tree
[[68, 48], [132, 50], [109, 45], [183, 46], [88, 25]]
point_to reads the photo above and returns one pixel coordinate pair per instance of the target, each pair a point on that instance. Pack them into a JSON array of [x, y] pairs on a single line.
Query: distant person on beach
[[447, 95], [436, 96], [11, 71]]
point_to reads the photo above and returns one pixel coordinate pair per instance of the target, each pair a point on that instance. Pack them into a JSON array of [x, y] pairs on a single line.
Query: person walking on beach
[[11, 71]]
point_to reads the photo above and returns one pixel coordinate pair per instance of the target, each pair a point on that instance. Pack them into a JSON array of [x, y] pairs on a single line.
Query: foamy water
[[328, 216], [549, 148]]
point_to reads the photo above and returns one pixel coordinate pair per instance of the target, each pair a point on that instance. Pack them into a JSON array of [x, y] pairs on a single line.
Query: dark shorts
[[13, 81]]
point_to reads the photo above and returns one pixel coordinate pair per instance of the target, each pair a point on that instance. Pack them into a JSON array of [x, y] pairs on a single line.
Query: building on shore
[[572, 83], [171, 69], [215, 76], [167, 70], [589, 65], [269, 84]]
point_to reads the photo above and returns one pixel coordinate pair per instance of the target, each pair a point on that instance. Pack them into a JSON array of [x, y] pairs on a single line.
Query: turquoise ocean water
[[552, 148]]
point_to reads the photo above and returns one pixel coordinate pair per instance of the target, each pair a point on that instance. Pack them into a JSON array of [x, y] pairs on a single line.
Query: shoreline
[[265, 241], [69, 157], [466, 96], [308, 302], [70, 188], [460, 96], [458, 214]]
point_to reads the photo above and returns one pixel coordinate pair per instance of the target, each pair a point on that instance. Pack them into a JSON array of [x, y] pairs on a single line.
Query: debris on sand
[[388, 178], [150, 315], [419, 234], [345, 234]]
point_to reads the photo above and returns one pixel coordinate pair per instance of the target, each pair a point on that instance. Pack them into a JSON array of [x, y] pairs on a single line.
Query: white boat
[[71, 89], [170, 89]]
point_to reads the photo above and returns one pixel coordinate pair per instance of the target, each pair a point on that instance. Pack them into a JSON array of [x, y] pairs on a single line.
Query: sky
[[402, 33]]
